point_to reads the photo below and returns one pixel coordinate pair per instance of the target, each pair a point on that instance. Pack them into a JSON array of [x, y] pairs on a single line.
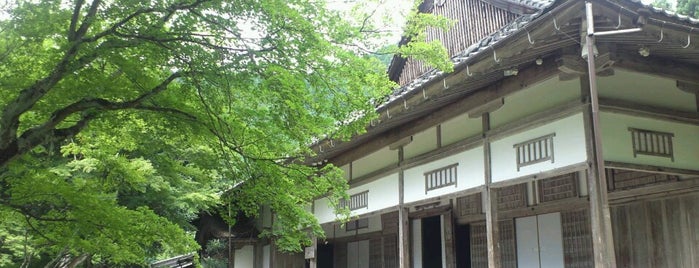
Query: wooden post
[[600, 219], [491, 217], [403, 220]]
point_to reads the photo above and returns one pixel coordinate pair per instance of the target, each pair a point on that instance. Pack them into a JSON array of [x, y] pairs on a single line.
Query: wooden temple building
[[527, 155]]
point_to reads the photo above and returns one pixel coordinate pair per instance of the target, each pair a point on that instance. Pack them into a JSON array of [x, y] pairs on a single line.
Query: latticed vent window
[[441, 177], [558, 188], [357, 224], [356, 201], [654, 143], [535, 151]]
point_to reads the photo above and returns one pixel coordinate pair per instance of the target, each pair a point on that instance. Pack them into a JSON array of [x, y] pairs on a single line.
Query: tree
[[688, 7], [120, 120], [664, 4]]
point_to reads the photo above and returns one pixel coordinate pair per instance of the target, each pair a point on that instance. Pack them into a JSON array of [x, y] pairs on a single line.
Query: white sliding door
[[539, 241]]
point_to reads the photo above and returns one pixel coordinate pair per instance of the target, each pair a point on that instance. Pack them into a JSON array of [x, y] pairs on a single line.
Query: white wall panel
[[245, 256], [373, 162], [617, 146], [422, 142], [459, 128], [383, 193], [470, 173], [527, 242], [266, 256], [645, 89], [537, 98], [550, 240], [416, 245], [569, 148]]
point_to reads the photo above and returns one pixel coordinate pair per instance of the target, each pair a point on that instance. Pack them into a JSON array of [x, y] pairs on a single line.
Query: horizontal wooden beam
[[654, 191], [459, 105], [667, 68], [650, 168], [637, 109]]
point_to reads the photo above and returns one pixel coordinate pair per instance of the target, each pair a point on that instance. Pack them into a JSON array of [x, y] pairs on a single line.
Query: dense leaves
[[121, 120]]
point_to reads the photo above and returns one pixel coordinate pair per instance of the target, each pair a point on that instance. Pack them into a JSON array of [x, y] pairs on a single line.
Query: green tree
[[664, 4], [119, 120], [688, 7]]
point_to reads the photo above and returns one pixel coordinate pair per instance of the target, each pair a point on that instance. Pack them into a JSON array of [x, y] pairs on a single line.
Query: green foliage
[[688, 7], [664, 4], [121, 120]]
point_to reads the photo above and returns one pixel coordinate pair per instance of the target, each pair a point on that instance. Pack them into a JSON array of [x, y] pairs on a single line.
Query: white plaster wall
[[374, 161], [537, 98], [245, 256], [346, 171], [470, 173], [383, 193], [645, 89], [422, 142], [416, 234], [322, 210], [459, 128], [617, 146], [341, 231], [569, 148], [266, 256]]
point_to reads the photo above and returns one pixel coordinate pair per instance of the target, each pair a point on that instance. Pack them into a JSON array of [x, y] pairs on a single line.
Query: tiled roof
[[509, 29], [483, 44], [538, 4]]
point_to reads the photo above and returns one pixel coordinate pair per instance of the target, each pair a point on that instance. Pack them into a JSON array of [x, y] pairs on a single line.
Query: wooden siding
[[619, 179], [512, 197], [479, 249], [657, 233], [375, 245], [474, 20], [558, 188], [470, 205], [390, 251], [577, 239]]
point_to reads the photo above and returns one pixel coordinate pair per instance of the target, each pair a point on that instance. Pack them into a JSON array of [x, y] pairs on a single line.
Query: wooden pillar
[[491, 217], [449, 243], [600, 219], [403, 220], [314, 247]]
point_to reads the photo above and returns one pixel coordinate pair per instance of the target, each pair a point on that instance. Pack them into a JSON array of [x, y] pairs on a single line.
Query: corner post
[[600, 219]]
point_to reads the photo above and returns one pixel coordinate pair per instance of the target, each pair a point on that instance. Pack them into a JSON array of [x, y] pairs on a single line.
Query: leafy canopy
[[121, 120]]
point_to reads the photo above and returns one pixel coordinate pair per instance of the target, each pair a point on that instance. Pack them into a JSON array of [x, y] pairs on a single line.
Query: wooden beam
[[467, 101], [600, 219], [654, 192], [488, 107], [403, 220], [667, 68], [637, 109], [651, 168], [491, 197], [691, 88]]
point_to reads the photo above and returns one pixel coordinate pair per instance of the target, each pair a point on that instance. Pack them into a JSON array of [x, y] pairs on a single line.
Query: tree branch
[[74, 20]]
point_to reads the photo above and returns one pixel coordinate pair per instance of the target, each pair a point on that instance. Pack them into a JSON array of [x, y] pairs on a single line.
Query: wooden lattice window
[[619, 179], [512, 197], [356, 201], [441, 177], [535, 151], [653, 143], [357, 224], [557, 188], [470, 205]]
